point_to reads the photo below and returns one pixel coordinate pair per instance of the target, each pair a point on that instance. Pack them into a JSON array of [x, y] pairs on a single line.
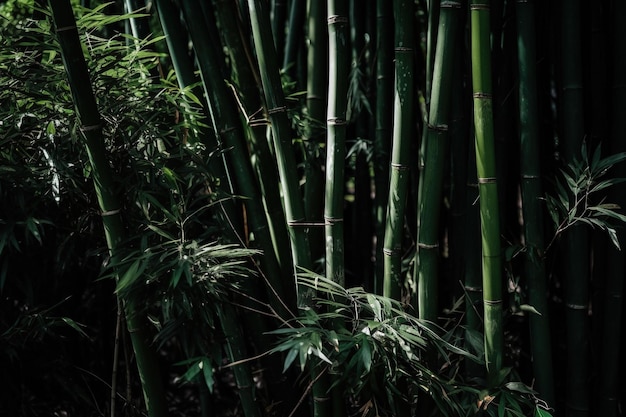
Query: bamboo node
[[337, 19], [403, 49], [577, 306], [337, 121], [482, 95], [304, 223], [473, 289], [481, 6], [399, 167], [487, 180], [389, 252], [277, 110], [492, 302], [329, 221], [65, 28], [530, 177], [91, 127], [451, 4], [427, 246], [320, 399], [438, 128], [110, 212]]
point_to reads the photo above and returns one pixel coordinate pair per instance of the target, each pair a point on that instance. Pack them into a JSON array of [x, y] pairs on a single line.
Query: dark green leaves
[[579, 195]]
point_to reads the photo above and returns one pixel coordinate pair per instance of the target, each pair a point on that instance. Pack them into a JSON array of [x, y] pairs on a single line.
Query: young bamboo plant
[[110, 205], [487, 186]]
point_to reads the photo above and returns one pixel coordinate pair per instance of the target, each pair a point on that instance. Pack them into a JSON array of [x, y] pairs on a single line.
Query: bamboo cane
[[108, 200], [487, 185], [541, 346]]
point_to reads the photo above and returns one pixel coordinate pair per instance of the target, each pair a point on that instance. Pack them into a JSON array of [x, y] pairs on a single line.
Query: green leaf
[[162, 232], [291, 356], [529, 308], [519, 387], [540, 412], [366, 355], [74, 325], [207, 371]]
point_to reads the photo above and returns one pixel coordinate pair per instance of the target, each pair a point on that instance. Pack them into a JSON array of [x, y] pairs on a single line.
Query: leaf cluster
[[581, 195], [381, 356]]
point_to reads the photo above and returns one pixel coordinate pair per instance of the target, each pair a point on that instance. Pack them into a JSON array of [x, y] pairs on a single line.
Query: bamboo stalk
[[436, 148], [383, 133], [576, 250], [612, 325], [338, 41], [108, 200], [532, 205], [487, 186], [314, 132], [403, 120], [277, 112]]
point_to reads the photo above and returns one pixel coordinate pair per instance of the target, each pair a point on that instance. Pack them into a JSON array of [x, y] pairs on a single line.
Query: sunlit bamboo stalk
[[487, 186]]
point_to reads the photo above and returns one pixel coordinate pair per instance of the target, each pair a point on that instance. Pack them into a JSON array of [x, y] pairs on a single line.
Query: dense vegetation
[[342, 207]]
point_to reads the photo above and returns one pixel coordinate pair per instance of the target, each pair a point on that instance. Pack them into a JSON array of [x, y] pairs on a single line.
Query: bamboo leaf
[[540, 412], [207, 371], [519, 387]]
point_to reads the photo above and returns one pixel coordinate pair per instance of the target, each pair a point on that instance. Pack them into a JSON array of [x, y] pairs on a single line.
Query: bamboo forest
[[312, 208]]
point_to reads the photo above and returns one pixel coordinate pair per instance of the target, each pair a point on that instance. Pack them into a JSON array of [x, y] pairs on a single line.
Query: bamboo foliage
[[110, 205], [487, 186]]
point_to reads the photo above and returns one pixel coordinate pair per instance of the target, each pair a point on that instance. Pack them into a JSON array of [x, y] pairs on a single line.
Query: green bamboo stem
[[108, 200], [248, 90], [278, 23], [231, 133], [235, 348], [487, 186], [314, 132], [176, 39], [403, 120], [576, 266], [383, 126], [277, 112], [338, 41], [436, 146], [297, 12], [612, 326], [433, 11], [532, 204], [140, 26]]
